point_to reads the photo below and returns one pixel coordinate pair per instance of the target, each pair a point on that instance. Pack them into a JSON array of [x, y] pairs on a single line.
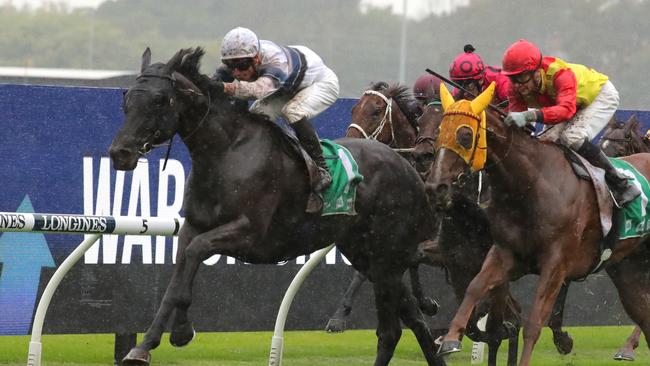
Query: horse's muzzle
[[123, 158], [439, 196]]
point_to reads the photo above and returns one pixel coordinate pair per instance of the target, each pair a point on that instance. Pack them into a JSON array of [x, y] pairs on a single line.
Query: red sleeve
[[502, 83], [503, 86], [565, 99]]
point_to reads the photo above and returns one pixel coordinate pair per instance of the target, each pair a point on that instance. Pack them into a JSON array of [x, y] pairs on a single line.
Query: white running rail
[[77, 224]]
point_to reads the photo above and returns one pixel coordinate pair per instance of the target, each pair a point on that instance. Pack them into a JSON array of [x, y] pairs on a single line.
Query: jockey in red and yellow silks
[[469, 71], [564, 88], [577, 100]]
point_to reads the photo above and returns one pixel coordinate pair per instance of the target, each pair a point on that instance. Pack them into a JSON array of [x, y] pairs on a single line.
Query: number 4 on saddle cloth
[[634, 219]]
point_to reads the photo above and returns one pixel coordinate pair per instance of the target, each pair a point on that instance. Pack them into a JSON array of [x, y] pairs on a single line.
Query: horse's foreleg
[[178, 295], [562, 340], [494, 272], [550, 282], [626, 352], [337, 321]]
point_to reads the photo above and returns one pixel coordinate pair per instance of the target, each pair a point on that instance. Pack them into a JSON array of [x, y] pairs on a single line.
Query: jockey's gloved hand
[[520, 118]]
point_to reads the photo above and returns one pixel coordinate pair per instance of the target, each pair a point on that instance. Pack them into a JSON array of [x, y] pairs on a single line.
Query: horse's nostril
[[119, 153], [442, 190]]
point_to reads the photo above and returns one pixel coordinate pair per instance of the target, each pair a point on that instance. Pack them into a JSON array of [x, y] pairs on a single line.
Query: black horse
[[246, 198]]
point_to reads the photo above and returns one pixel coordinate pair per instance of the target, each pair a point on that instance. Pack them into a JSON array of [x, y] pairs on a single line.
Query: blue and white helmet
[[239, 43]]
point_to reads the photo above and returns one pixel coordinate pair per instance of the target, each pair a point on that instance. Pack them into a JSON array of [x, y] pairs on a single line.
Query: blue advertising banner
[[53, 158]]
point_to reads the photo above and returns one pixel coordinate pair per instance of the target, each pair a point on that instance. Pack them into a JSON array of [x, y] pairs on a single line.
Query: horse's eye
[[376, 111], [464, 137], [160, 100]]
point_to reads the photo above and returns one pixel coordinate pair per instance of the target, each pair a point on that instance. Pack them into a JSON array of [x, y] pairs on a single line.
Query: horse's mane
[[190, 68], [402, 95]]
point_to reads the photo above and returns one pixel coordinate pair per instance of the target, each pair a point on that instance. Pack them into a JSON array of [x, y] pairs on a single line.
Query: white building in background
[[66, 4], [415, 9]]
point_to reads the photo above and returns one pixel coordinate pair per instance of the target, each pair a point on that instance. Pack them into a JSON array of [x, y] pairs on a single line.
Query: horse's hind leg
[[427, 305], [631, 277], [337, 321], [562, 340], [178, 295], [388, 291], [412, 317]]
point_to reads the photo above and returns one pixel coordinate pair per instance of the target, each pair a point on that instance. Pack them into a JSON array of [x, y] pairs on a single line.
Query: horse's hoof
[[137, 356], [448, 347], [563, 342], [511, 330], [182, 335], [335, 326], [429, 306], [623, 355]]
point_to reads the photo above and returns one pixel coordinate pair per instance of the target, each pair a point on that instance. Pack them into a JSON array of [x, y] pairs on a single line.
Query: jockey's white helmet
[[239, 43]]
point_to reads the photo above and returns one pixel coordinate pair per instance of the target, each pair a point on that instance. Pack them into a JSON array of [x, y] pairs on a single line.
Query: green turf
[[593, 346]]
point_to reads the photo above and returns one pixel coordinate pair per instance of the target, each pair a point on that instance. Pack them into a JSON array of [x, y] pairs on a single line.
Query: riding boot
[[309, 140], [623, 191]]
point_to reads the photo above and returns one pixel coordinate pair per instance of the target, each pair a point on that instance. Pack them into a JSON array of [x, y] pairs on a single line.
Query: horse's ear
[[175, 61], [445, 97], [146, 59], [633, 123], [481, 102]]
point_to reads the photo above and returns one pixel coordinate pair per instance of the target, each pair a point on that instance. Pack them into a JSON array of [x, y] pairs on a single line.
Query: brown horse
[[374, 116], [464, 240], [621, 139], [386, 113], [543, 218], [246, 197]]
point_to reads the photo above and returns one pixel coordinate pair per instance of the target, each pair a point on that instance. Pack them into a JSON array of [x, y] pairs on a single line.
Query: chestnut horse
[[463, 241], [544, 220], [246, 197], [621, 139], [386, 113]]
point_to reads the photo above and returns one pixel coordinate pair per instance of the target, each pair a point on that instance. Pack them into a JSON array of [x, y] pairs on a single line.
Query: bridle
[[388, 117], [626, 141], [147, 146]]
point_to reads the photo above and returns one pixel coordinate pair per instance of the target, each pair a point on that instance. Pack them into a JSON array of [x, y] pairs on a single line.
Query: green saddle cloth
[[636, 221], [339, 198]]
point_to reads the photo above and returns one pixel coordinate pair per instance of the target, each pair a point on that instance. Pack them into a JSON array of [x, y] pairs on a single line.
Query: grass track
[[593, 346]]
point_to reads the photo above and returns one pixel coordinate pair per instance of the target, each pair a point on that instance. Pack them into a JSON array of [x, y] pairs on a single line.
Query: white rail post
[[77, 224], [35, 346], [478, 348], [277, 342]]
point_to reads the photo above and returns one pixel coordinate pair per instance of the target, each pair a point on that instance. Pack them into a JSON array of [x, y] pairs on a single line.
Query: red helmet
[[467, 65], [427, 87], [521, 56]]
